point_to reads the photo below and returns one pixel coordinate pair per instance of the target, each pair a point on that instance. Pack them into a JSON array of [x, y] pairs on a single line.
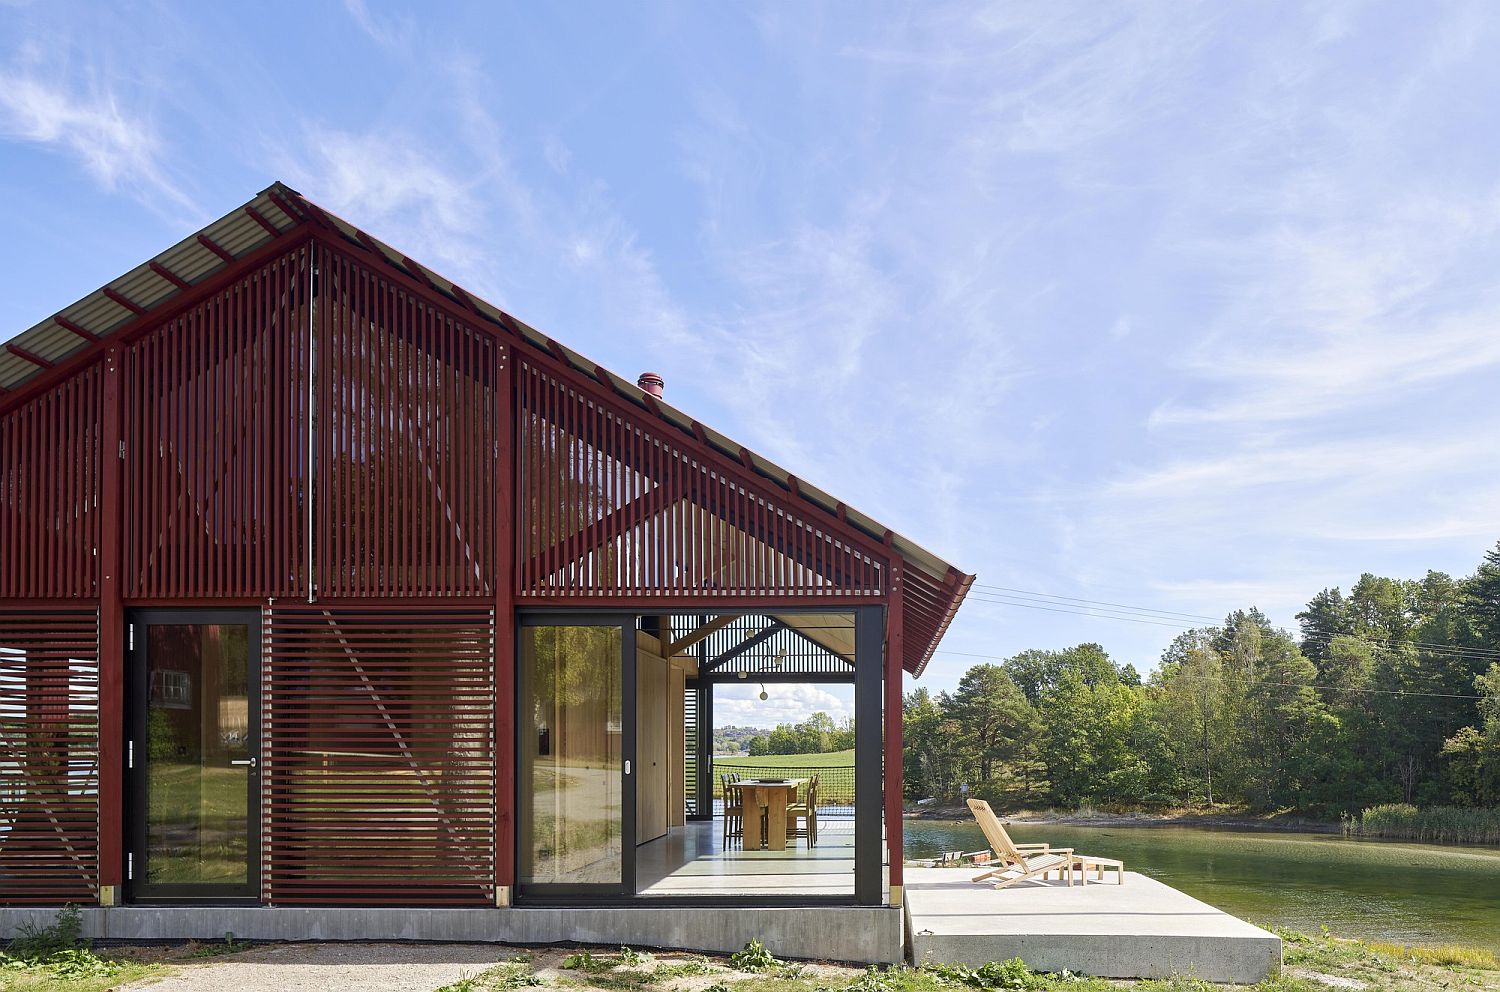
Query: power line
[[1098, 602], [1055, 603], [1455, 652], [1330, 688], [1075, 612]]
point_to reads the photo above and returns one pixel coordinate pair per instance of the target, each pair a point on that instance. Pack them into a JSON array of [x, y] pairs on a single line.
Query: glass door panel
[[194, 755], [576, 812]]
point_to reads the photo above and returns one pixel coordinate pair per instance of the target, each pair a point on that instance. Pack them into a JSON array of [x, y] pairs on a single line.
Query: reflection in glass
[[571, 748], [197, 723]]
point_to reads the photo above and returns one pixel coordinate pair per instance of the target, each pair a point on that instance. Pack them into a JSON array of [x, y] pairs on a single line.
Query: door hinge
[[122, 450], [130, 867], [130, 636], [130, 754]]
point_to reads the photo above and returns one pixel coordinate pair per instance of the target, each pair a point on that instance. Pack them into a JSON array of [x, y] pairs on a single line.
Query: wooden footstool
[[1083, 863]]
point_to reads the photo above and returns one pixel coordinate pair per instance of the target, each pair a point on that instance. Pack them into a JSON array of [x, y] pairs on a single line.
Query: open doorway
[[713, 820]]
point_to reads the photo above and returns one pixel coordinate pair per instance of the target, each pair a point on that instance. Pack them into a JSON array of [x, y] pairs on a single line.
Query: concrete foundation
[[867, 935], [1142, 929]]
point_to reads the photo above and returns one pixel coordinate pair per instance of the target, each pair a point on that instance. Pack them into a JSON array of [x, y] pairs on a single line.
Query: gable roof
[[53, 348]]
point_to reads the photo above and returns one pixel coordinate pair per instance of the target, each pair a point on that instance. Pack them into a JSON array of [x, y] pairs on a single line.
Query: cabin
[[338, 602]]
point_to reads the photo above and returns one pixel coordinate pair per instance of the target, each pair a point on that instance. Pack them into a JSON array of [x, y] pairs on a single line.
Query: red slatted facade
[[49, 755], [611, 505], [49, 492], [317, 420], [406, 430], [216, 443], [378, 743]]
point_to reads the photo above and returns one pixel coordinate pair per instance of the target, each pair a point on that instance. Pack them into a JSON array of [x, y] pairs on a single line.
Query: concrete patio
[[1141, 929]]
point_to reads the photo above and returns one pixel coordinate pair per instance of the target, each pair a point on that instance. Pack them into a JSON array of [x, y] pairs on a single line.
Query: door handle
[[248, 762]]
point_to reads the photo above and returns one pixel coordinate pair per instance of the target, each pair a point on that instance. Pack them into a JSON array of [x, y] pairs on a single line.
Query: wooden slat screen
[[378, 729], [49, 492], [49, 756], [609, 505], [216, 443], [406, 442], [691, 727]]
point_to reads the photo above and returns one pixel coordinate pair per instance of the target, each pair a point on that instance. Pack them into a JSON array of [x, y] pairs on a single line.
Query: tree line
[[1387, 693], [818, 734]]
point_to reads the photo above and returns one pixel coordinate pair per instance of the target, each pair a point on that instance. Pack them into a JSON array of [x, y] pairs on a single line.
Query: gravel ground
[[344, 967]]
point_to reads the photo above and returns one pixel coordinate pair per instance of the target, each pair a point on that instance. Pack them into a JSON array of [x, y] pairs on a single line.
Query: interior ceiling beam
[[818, 555], [608, 527], [748, 644], [689, 640], [821, 646], [845, 677]]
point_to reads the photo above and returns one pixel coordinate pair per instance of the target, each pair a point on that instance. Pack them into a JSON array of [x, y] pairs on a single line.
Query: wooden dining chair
[[807, 812], [734, 812]]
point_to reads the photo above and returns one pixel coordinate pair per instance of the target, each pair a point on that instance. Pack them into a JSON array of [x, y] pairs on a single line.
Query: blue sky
[[1184, 306]]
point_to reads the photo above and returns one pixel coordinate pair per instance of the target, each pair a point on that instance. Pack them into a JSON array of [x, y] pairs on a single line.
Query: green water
[[1375, 890]]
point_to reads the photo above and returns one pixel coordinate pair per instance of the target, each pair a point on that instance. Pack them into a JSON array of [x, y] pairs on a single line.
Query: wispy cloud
[[1334, 313], [558, 258], [393, 184], [386, 30], [92, 122]]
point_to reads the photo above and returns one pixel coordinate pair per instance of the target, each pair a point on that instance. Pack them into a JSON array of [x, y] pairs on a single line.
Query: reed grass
[[1433, 825], [1447, 955]]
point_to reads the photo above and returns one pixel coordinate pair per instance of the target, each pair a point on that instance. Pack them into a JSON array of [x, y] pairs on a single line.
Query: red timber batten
[[505, 643], [215, 430], [378, 734], [49, 492], [111, 636], [895, 651], [931, 600], [49, 700], [612, 507], [405, 441]]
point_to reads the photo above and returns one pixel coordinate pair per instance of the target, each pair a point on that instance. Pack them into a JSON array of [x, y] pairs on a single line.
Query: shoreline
[[1281, 824]]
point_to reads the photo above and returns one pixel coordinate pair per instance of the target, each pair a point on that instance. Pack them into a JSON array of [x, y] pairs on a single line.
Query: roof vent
[[652, 383]]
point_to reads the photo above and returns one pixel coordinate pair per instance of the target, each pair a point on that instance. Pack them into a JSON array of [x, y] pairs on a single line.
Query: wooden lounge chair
[[1034, 862], [1019, 862]]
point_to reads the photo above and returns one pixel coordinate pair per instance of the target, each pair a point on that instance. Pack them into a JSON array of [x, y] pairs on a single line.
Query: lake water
[[1375, 890]]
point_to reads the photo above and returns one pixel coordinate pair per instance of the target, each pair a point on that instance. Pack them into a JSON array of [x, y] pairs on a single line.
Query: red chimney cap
[[652, 383]]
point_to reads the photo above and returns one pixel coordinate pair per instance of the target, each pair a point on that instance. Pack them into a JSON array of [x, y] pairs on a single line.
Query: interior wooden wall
[[659, 745], [651, 746]]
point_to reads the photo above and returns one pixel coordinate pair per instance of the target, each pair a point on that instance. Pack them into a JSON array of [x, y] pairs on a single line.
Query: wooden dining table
[[775, 795]]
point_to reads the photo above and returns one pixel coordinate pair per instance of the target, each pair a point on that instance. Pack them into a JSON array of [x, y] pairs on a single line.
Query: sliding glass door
[[192, 755], [575, 748]]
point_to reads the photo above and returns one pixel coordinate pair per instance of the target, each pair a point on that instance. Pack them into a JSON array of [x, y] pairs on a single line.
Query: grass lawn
[[837, 783], [1313, 964], [84, 970]]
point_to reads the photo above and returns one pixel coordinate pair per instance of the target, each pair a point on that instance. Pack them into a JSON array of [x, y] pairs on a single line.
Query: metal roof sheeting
[[236, 232]]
